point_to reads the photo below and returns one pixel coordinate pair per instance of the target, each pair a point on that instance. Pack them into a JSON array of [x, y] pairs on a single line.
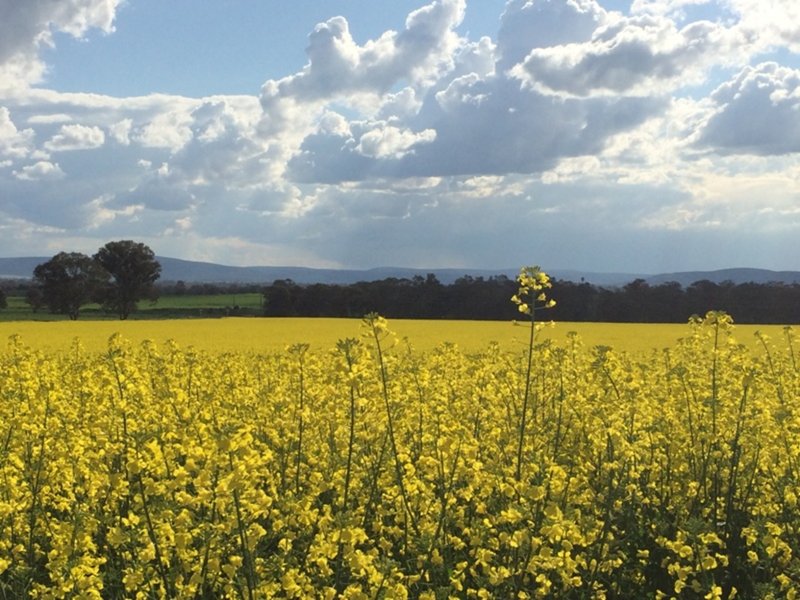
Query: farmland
[[266, 335], [298, 458], [173, 306]]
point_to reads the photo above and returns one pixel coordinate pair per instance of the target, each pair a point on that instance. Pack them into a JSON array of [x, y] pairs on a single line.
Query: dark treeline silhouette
[[182, 288], [479, 298], [490, 299]]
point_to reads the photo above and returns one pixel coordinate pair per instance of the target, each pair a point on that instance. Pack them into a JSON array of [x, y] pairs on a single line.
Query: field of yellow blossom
[[371, 469], [274, 334]]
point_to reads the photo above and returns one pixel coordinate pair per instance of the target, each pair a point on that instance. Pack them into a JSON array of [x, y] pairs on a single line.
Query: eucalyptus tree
[[132, 272], [68, 281]]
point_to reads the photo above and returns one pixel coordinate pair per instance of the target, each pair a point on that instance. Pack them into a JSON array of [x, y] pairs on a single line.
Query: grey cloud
[[161, 189], [529, 24], [362, 150], [61, 194], [573, 224], [50, 201], [475, 60], [215, 148], [625, 55], [481, 127], [757, 112], [329, 157], [68, 121], [479, 119], [217, 156], [222, 148], [559, 225], [24, 24], [269, 200], [496, 128]]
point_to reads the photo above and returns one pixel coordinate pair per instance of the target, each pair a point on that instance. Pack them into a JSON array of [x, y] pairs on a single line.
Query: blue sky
[[220, 47], [639, 135]]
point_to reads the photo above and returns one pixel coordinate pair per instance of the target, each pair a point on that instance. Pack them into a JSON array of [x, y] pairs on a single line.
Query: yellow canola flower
[[148, 471], [531, 293]]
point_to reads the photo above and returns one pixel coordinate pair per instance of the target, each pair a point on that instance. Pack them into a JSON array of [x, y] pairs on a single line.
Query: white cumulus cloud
[[76, 137], [627, 55], [388, 141], [120, 131], [38, 171], [337, 65], [529, 24], [170, 129], [772, 23], [340, 69], [757, 112], [480, 120], [27, 25], [14, 143]]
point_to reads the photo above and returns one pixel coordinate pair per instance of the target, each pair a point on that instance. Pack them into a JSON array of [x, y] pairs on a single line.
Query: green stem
[[398, 467], [525, 398]]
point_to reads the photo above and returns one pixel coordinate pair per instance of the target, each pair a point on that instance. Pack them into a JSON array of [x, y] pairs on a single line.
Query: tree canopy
[[68, 281], [132, 271], [479, 298]]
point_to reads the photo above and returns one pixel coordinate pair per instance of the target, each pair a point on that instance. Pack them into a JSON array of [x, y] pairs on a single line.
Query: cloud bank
[[571, 136]]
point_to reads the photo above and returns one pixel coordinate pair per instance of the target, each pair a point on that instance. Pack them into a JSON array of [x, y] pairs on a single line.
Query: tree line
[[479, 298], [123, 273], [117, 277]]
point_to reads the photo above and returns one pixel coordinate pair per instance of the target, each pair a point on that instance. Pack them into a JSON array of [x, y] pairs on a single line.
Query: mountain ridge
[[175, 269]]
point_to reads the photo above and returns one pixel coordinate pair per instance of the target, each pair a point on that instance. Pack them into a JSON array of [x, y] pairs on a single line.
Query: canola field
[[241, 460], [274, 334]]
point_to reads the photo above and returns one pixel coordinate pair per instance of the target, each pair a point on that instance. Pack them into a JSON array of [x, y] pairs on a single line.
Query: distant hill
[[733, 275], [19, 268], [174, 269]]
